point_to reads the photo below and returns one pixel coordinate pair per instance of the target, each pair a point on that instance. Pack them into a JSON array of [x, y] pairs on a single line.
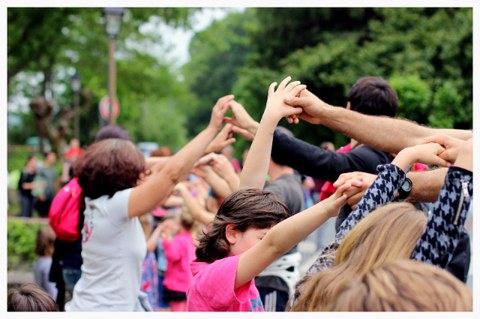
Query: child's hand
[[276, 108], [423, 153], [452, 146], [336, 201], [221, 140], [355, 193]]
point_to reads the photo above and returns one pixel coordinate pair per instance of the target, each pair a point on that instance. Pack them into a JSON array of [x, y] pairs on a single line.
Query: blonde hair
[[388, 233], [404, 285]]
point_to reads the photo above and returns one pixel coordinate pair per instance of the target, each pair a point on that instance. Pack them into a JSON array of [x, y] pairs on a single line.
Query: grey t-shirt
[[41, 269], [114, 248]]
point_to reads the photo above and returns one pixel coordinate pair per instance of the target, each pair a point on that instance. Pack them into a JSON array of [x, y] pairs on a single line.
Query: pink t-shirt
[[179, 252], [213, 288]]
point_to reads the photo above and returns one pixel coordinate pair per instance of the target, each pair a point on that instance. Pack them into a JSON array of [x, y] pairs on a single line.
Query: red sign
[[104, 108]]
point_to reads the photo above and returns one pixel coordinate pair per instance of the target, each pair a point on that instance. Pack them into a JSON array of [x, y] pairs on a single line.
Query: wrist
[[253, 127]]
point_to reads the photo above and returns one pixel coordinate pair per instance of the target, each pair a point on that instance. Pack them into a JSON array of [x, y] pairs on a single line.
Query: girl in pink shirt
[[179, 252], [250, 230]]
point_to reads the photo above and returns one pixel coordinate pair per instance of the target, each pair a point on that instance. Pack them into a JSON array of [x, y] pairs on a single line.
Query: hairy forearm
[[381, 132], [426, 185]]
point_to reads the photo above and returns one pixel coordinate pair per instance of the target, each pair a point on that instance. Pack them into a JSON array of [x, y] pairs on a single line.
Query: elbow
[[174, 172]]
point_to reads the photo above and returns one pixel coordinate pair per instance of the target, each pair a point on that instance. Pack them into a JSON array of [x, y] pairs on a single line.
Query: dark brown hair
[[44, 241], [246, 208], [372, 95], [109, 166], [30, 297]]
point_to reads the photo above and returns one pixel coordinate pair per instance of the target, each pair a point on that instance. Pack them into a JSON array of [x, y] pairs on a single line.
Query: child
[[245, 237], [30, 297], [179, 251], [41, 267], [149, 281]]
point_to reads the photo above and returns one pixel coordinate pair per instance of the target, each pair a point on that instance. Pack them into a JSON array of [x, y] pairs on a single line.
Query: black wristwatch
[[405, 189]]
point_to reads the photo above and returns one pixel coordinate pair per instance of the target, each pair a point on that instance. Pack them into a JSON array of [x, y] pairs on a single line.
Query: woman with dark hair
[[118, 189]]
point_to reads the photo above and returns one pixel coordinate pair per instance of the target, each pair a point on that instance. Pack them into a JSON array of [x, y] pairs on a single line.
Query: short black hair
[[373, 95]]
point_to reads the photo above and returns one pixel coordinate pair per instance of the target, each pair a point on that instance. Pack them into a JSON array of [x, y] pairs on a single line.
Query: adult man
[[369, 95], [396, 135]]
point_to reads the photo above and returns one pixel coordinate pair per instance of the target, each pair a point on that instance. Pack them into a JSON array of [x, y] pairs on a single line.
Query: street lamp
[[76, 85], [113, 22]]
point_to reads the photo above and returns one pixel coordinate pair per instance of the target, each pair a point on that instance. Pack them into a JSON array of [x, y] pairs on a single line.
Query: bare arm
[[194, 208], [286, 234], [384, 133], [149, 194], [256, 165], [152, 241]]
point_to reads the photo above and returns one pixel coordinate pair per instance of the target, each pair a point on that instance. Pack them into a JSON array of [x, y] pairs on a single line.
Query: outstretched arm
[[149, 194], [256, 165], [449, 213], [388, 181], [286, 234], [396, 134], [194, 208]]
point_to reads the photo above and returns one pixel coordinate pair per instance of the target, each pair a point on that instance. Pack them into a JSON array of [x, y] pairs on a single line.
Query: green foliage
[[21, 243], [60, 41], [216, 53], [414, 97], [425, 53]]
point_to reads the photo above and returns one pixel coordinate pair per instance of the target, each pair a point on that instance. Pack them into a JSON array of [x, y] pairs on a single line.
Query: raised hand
[[276, 108], [243, 123], [424, 153], [312, 106], [452, 146], [336, 201], [219, 110], [221, 140], [360, 182]]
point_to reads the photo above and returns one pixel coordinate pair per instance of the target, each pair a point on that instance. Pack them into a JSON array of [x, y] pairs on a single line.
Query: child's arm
[[283, 236], [153, 239], [194, 208], [256, 165]]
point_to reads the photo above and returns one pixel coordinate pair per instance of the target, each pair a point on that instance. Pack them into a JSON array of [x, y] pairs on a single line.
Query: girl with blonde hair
[[434, 244], [389, 233], [404, 285]]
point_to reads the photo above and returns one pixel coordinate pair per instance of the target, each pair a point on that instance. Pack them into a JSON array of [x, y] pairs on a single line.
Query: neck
[[278, 171]]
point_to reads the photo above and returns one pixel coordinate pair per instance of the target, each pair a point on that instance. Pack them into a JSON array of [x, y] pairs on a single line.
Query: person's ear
[[231, 234]]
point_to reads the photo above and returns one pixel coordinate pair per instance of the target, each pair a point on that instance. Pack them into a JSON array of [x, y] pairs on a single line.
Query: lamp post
[[113, 22], [76, 85]]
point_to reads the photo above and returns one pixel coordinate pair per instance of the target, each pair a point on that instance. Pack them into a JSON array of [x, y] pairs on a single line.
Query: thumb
[[294, 101]]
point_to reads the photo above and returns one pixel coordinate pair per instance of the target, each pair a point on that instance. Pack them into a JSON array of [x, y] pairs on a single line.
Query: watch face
[[407, 185]]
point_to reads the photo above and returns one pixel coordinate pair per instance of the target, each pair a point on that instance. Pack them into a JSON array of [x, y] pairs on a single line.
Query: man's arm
[[327, 165], [384, 133]]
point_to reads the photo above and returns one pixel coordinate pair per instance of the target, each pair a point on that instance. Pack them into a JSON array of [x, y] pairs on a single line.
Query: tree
[[54, 42]]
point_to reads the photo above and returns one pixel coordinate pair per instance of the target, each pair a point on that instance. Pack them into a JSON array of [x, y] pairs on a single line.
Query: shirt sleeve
[[445, 224], [118, 206], [383, 190], [217, 283], [327, 165]]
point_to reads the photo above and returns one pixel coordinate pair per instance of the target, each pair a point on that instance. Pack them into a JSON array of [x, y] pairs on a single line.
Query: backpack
[[65, 210]]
